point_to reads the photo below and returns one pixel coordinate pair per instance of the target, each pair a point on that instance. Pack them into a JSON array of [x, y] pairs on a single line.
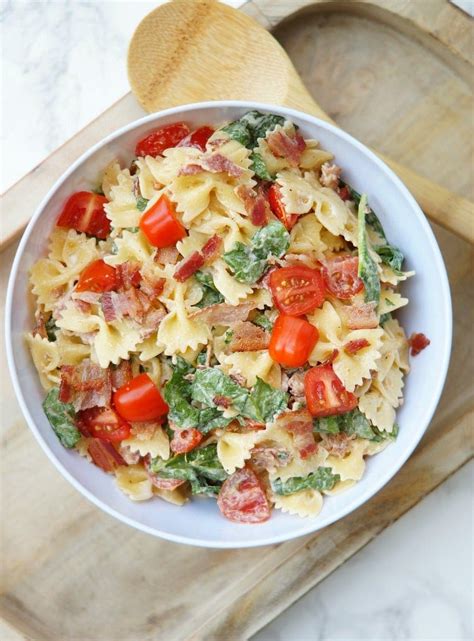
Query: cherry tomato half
[[242, 498], [163, 138], [139, 400], [278, 208], [185, 440], [297, 290], [97, 277], [103, 423], [160, 225], [292, 341], [325, 394], [340, 276], [84, 211], [197, 138]]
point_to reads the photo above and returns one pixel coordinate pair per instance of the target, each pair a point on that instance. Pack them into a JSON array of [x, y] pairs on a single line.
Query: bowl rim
[[306, 526]]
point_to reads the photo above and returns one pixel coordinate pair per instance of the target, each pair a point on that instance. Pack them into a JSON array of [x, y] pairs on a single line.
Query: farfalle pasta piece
[[157, 445], [110, 178], [306, 238], [227, 285], [122, 209], [251, 365], [305, 503], [390, 301], [313, 156], [46, 359], [233, 449], [130, 246], [133, 481], [272, 163], [350, 467]]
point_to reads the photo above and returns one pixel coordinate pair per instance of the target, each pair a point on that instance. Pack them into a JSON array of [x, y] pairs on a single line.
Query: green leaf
[[263, 321], [321, 479], [391, 256], [61, 416], [327, 425], [371, 218], [202, 358], [210, 294], [211, 382], [259, 167], [239, 131], [51, 329], [142, 203], [353, 422], [133, 230], [367, 267], [248, 262], [265, 402], [252, 126], [385, 317]]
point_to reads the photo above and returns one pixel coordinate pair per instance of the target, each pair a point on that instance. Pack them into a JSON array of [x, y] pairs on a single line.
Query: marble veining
[[63, 63]]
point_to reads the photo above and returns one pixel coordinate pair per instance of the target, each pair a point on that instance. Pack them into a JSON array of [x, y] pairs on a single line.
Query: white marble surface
[[62, 64]]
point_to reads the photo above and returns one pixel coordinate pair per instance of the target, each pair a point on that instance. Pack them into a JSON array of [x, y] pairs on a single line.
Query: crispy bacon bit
[[223, 313], [40, 327], [282, 146], [256, 204], [190, 170], [131, 302], [167, 255], [247, 337], [211, 249], [130, 458], [92, 298], [104, 455], [185, 440], [189, 266], [85, 385], [332, 357], [268, 457], [121, 375], [152, 286], [417, 343], [222, 401], [152, 320], [300, 425], [330, 175], [337, 444], [82, 306], [344, 193], [162, 483], [144, 430], [352, 347], [361, 316], [128, 275], [250, 424], [296, 384], [215, 163]]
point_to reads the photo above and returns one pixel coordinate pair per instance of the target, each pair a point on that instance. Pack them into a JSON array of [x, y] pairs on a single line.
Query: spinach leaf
[[51, 329], [353, 422], [259, 167], [385, 317], [327, 425], [142, 203], [371, 218], [391, 256], [212, 382], [61, 416], [201, 467], [382, 435], [201, 358], [263, 321], [265, 402], [248, 262], [321, 479], [210, 294], [367, 267], [252, 126]]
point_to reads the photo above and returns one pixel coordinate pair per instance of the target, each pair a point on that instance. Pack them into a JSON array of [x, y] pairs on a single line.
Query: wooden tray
[[71, 571]]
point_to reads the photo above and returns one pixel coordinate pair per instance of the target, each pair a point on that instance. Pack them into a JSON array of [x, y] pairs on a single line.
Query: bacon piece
[[256, 204], [121, 375], [82, 306], [85, 385], [152, 320], [104, 455], [128, 274], [337, 444], [167, 255], [330, 175], [211, 249], [249, 423], [296, 384], [160, 482], [92, 298], [247, 337], [130, 458], [222, 401], [152, 286], [344, 193], [189, 266], [144, 430], [40, 327], [216, 163], [352, 347], [223, 313], [132, 302], [190, 170], [300, 425], [282, 146], [361, 316], [185, 440], [418, 342], [268, 457]]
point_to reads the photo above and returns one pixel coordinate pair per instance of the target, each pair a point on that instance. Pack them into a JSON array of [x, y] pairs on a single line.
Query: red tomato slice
[[198, 138], [139, 400], [185, 440], [97, 277], [242, 498], [292, 341], [104, 455], [84, 211], [163, 138], [340, 276], [160, 226], [103, 423], [325, 394], [278, 208], [417, 343], [297, 290]]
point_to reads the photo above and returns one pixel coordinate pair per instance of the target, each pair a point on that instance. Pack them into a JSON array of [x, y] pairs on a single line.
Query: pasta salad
[[216, 319]]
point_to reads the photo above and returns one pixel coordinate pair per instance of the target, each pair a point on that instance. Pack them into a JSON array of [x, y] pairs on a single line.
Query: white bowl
[[199, 522]]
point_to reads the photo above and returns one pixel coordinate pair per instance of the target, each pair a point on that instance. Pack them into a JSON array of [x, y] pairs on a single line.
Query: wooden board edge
[[311, 559]]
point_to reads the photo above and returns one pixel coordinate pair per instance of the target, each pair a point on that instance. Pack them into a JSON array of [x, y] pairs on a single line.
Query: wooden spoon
[[194, 50]]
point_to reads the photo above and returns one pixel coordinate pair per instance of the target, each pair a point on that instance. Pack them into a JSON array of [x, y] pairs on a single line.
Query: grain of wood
[[61, 554]]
